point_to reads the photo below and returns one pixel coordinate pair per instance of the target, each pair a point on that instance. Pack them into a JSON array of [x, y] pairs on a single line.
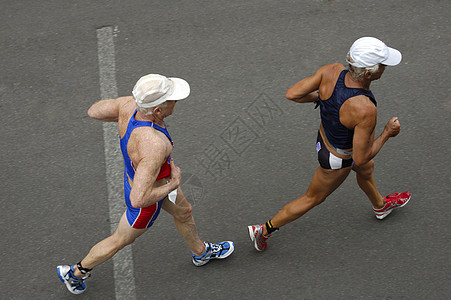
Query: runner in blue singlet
[[151, 179], [144, 217]]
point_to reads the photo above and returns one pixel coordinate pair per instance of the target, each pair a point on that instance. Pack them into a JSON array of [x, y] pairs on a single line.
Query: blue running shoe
[[214, 251], [74, 284]]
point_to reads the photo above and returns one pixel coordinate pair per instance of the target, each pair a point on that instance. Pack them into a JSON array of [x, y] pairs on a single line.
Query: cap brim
[[394, 57], [181, 89]]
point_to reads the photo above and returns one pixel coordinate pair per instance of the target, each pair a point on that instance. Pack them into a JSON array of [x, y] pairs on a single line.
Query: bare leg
[[365, 179], [184, 222], [323, 183], [107, 248]]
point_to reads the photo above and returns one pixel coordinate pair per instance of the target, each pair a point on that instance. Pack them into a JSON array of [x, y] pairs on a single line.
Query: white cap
[[369, 51], [153, 89]]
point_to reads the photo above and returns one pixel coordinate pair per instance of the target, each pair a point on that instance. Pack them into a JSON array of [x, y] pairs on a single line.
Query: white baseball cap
[[369, 51], [153, 89]]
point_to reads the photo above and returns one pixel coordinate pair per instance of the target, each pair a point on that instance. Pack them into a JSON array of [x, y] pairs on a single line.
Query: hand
[[176, 175], [393, 127]]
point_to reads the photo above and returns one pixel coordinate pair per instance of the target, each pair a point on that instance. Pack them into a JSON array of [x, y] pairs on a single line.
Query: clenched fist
[[176, 175], [393, 127]]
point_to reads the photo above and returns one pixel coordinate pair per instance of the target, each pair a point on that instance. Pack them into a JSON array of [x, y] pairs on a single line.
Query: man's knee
[[301, 205], [315, 200], [184, 213], [367, 169], [120, 242]]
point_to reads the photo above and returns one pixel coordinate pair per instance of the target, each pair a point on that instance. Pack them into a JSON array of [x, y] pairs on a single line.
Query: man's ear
[[367, 74], [156, 110]]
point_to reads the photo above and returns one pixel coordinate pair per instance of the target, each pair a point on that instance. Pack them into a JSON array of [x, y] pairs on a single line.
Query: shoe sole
[[380, 217], [199, 263], [68, 286], [253, 239]]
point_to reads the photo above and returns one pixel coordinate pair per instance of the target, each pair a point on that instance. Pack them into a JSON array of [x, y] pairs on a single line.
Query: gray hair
[[149, 110], [358, 73]]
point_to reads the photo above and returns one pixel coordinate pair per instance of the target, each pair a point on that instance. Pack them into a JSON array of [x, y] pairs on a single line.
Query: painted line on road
[[124, 280]]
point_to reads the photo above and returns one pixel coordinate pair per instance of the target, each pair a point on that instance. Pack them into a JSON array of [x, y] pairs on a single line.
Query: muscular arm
[[144, 191], [365, 146], [306, 89], [107, 110]]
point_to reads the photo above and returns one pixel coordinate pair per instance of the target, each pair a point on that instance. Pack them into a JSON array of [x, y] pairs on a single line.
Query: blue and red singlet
[[141, 218]]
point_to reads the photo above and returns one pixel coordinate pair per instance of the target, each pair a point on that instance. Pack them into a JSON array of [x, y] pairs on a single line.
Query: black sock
[[83, 271], [269, 228]]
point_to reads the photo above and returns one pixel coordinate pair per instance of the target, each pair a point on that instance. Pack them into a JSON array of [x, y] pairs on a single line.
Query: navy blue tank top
[[165, 170], [338, 135]]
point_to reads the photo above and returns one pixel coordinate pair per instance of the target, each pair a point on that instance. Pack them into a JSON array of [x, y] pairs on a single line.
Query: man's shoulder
[[330, 72], [147, 137], [332, 67], [358, 110], [329, 75], [147, 134], [147, 143], [126, 106], [126, 102], [362, 106]]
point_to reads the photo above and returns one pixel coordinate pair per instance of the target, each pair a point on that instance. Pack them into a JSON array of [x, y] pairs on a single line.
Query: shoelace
[[209, 249], [215, 248], [395, 198], [259, 235]]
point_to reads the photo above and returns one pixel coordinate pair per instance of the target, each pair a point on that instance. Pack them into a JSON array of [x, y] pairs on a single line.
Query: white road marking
[[124, 280]]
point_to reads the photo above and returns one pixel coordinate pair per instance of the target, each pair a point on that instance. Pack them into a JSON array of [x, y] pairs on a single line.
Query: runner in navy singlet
[[346, 137], [332, 133]]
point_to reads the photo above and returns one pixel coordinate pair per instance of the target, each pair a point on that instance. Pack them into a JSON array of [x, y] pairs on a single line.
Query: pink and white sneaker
[[392, 201], [256, 235]]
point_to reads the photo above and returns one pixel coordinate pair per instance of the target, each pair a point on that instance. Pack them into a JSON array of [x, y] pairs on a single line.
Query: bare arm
[[107, 110], [305, 90], [144, 192], [365, 147]]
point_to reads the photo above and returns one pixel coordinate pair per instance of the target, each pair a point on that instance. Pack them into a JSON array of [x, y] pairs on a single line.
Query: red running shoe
[[256, 235], [392, 201]]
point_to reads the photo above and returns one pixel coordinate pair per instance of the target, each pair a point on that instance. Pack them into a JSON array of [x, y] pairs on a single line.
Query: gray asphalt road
[[243, 149]]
